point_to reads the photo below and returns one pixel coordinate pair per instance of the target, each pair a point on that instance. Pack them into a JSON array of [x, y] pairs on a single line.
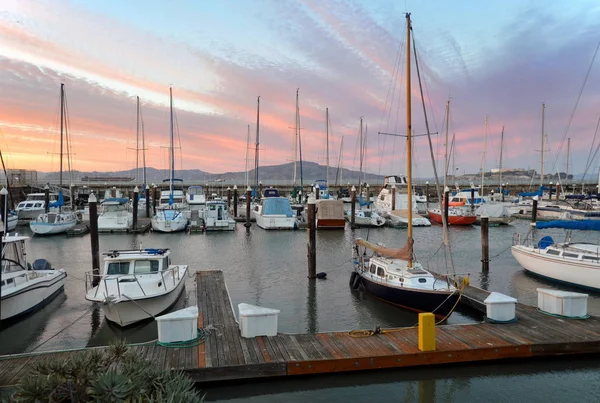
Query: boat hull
[[274, 222], [331, 223], [439, 302], [34, 295], [110, 223], [44, 228], [161, 223], [452, 219], [125, 312], [576, 273]]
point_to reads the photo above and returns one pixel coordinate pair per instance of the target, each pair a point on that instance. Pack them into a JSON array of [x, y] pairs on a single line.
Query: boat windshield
[[13, 257], [116, 268], [146, 266]]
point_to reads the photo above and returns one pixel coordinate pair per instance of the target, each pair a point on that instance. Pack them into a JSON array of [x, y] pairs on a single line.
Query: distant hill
[[285, 172]]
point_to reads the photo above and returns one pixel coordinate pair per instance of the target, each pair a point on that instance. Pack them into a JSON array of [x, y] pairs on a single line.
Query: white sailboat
[[56, 222], [136, 285], [172, 212]]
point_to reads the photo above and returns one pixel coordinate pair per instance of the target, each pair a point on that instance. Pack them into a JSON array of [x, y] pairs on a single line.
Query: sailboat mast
[[500, 165], [62, 119], [137, 139], [483, 157], [360, 157], [143, 153], [542, 164], [257, 143], [327, 142], [296, 136], [247, 156], [172, 161], [409, 239], [568, 154], [341, 164], [446, 152]]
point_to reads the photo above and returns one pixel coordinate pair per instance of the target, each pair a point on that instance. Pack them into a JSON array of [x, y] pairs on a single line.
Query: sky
[[496, 62]]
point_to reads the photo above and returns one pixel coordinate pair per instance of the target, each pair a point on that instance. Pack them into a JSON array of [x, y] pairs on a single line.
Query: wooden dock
[[144, 225], [225, 355], [80, 229]]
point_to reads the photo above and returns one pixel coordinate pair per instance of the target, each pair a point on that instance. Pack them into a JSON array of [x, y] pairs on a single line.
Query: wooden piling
[[485, 246], [113, 192], [260, 189], [534, 211], [550, 192], [473, 199], [47, 198], [154, 199], [228, 198], [147, 196], [247, 224], [235, 201], [393, 198], [4, 204], [557, 190], [94, 239], [446, 201], [312, 239], [426, 195], [316, 191], [353, 207], [136, 193], [502, 190]]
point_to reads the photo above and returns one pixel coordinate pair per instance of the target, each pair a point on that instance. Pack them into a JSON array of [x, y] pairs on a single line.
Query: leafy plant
[[115, 374]]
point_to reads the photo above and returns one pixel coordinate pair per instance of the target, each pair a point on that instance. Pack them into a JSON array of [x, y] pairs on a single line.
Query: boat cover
[[277, 206], [583, 225], [404, 253]]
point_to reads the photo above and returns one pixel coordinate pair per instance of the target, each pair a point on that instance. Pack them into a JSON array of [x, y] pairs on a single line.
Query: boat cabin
[[270, 192], [14, 257], [145, 261], [165, 197], [115, 204]]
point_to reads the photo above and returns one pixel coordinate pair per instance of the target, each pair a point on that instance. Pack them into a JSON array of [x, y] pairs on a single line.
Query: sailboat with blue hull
[[573, 263], [172, 212]]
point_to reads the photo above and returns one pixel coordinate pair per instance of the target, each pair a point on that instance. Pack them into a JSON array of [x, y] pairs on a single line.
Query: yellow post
[[426, 332]]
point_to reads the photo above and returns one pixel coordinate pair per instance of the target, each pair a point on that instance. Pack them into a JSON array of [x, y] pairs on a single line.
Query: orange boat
[[455, 217]]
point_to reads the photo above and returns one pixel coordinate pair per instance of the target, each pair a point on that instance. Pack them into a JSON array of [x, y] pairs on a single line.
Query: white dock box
[[181, 325], [565, 303], [500, 307], [257, 321]]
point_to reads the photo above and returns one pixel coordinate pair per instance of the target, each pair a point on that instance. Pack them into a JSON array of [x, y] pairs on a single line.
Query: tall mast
[[409, 239], [542, 165], [327, 143], [360, 157], [453, 152], [483, 157], [247, 157], [568, 152], [137, 139], [62, 119], [257, 143], [297, 126], [143, 151], [172, 162], [446, 152], [501, 149], [341, 164]]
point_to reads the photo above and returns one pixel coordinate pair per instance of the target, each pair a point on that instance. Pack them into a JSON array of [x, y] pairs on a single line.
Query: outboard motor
[[42, 264]]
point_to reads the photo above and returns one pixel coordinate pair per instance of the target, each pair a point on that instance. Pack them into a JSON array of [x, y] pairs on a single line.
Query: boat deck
[[225, 355]]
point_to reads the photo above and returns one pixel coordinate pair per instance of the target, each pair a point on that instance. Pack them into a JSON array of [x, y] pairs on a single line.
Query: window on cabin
[[166, 263], [116, 268], [595, 258], [552, 252], [380, 272], [372, 269], [573, 255], [145, 266]]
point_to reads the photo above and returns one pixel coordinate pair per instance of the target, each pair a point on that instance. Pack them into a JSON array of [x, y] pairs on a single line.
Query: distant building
[[19, 177]]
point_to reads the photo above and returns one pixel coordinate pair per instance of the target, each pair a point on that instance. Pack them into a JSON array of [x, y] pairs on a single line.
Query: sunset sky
[[499, 60]]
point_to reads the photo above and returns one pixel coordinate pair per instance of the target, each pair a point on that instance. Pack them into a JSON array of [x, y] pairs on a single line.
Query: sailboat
[[392, 274], [56, 222], [171, 214], [572, 263]]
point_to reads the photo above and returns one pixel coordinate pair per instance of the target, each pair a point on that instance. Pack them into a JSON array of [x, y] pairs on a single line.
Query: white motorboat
[[196, 197], [496, 212], [33, 206], [365, 218], [116, 215], [398, 216], [576, 264], [216, 217], [25, 288], [11, 222], [274, 212], [136, 285]]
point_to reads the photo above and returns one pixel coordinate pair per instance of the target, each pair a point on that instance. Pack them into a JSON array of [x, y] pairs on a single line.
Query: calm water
[[269, 269]]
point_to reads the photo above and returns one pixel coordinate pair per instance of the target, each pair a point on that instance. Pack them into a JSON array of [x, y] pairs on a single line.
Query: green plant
[[115, 374]]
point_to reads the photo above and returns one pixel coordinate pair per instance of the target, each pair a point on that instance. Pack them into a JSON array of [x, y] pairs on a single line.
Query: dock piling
[[312, 239], [353, 207], [154, 198], [485, 246], [46, 198], [228, 198], [427, 331], [427, 195], [473, 199], [94, 239], [534, 210], [446, 203], [136, 193], [316, 190], [235, 201], [247, 224], [393, 198], [502, 190], [550, 192], [147, 196], [4, 204]]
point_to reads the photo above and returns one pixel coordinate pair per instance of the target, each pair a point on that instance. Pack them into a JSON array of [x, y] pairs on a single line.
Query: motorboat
[[116, 215], [24, 287], [136, 284], [274, 212], [216, 217], [33, 206]]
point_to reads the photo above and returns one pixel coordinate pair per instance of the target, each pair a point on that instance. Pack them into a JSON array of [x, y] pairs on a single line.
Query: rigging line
[[69, 145], [576, 103], [63, 329], [588, 163]]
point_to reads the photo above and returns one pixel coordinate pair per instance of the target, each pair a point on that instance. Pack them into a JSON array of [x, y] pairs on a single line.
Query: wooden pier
[[225, 355]]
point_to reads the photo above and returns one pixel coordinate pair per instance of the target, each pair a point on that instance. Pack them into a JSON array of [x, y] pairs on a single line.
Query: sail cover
[[584, 225], [60, 202], [540, 192], [404, 253]]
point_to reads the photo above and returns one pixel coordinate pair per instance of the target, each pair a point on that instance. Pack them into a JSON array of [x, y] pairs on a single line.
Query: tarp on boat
[[60, 202], [404, 253], [539, 192], [277, 206], [583, 225]]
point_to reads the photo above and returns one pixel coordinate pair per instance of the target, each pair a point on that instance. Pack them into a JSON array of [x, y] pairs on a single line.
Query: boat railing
[[105, 278]]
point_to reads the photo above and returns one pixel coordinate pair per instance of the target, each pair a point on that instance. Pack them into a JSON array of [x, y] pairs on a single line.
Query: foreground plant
[[112, 375]]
